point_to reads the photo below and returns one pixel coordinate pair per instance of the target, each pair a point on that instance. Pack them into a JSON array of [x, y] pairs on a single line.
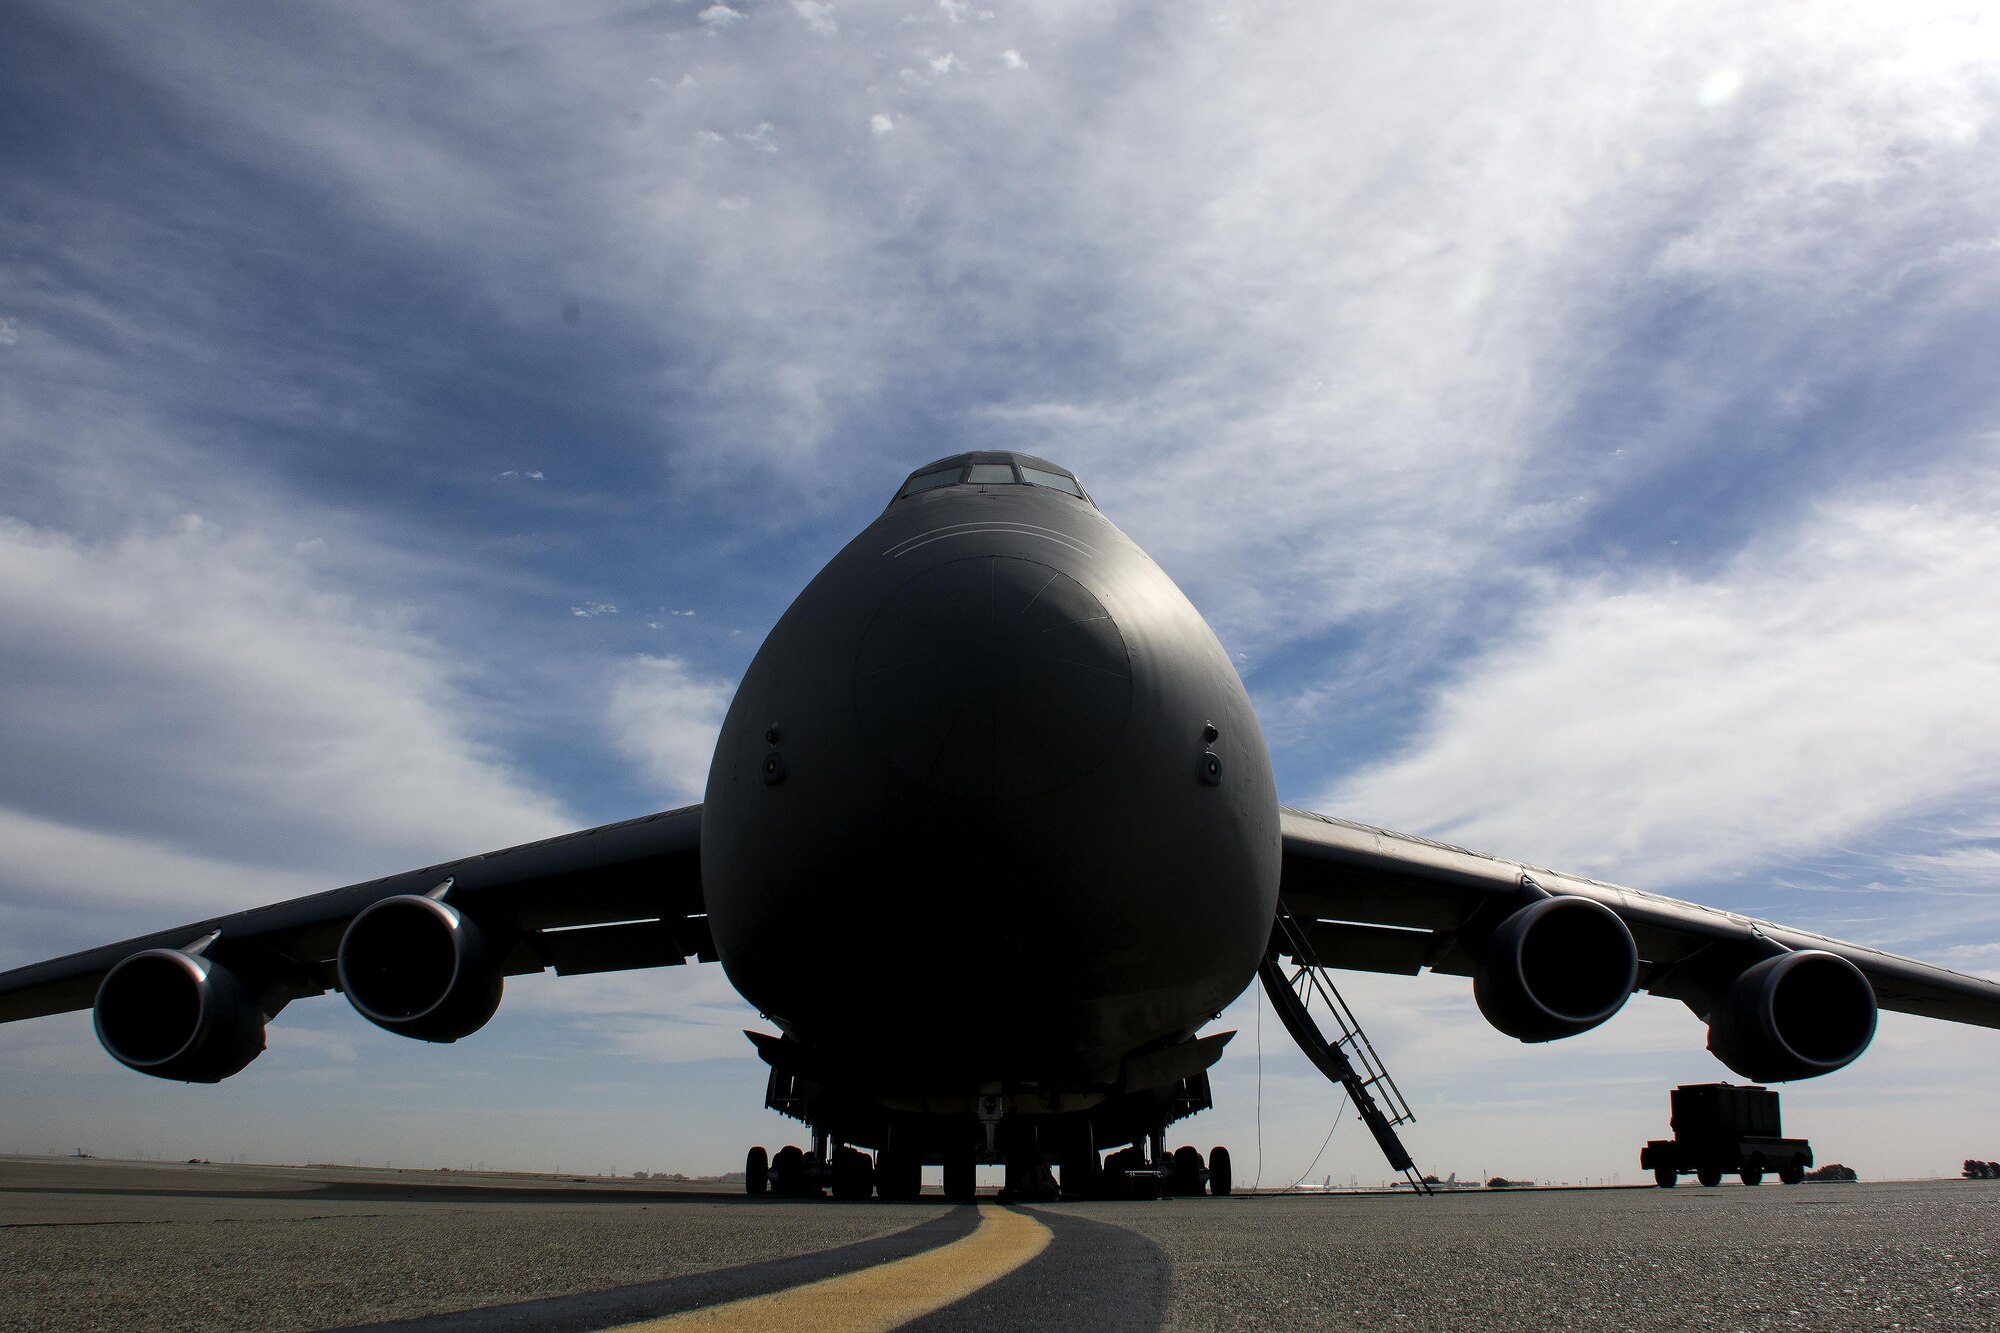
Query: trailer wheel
[[1793, 1172], [1666, 1177], [1751, 1175], [1711, 1176]]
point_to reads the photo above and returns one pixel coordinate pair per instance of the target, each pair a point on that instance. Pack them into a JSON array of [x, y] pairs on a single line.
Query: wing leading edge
[[620, 896], [1373, 900]]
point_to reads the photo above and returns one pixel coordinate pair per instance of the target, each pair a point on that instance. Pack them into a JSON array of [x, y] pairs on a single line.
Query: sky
[[1581, 428]]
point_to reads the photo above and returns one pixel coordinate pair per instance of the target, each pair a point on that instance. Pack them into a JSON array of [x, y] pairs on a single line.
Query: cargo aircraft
[[990, 834]]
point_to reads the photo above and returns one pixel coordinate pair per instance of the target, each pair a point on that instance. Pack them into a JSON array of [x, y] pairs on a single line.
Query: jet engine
[[1798, 1015], [1557, 967], [420, 968], [175, 1015]]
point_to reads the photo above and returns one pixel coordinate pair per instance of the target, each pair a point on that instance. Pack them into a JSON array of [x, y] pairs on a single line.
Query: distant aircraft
[[990, 833]]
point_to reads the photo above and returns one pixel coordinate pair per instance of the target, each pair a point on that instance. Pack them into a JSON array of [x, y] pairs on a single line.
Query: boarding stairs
[[1308, 1002]]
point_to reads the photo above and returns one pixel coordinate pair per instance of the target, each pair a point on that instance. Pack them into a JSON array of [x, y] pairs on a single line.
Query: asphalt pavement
[[88, 1244]]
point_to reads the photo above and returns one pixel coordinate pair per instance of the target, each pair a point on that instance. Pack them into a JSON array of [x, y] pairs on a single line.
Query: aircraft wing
[[1371, 900], [625, 895]]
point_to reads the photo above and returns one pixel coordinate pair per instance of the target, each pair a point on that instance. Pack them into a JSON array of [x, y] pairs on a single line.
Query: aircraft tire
[[853, 1174], [1220, 1181], [1666, 1177], [788, 1173], [1184, 1175], [1126, 1159], [1709, 1176], [756, 1173]]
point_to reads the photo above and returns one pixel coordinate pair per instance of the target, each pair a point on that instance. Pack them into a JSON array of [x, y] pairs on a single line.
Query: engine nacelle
[[1557, 967], [174, 1015], [1798, 1015], [420, 969]]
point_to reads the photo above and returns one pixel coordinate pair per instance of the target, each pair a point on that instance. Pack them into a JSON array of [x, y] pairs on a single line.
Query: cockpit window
[[1038, 477], [992, 468], [924, 481]]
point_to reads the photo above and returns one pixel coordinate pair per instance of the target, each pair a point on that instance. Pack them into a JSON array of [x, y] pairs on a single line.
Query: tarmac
[[89, 1244]]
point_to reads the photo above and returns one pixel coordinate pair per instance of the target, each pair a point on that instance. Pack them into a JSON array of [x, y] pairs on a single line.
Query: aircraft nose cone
[[993, 677]]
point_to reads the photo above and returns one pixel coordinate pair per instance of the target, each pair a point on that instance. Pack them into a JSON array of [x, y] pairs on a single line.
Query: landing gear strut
[[961, 1180], [898, 1176]]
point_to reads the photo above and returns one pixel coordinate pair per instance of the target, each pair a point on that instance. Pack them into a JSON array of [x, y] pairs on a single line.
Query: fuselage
[[990, 807]]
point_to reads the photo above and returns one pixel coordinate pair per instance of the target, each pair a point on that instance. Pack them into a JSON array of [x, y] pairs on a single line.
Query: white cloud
[[818, 16], [195, 700], [1825, 682], [666, 718], [880, 124], [57, 1048], [658, 1015], [1720, 88], [591, 610], [295, 1044], [718, 17], [113, 884]]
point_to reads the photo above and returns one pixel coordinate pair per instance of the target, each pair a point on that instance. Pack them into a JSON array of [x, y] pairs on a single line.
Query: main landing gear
[[794, 1173], [849, 1173], [1128, 1174]]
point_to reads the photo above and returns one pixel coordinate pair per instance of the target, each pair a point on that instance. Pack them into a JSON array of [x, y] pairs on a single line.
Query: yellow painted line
[[887, 1296]]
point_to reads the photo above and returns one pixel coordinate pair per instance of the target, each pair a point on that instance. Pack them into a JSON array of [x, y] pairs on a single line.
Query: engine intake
[[420, 969], [1798, 1015], [1555, 968], [173, 1015]]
